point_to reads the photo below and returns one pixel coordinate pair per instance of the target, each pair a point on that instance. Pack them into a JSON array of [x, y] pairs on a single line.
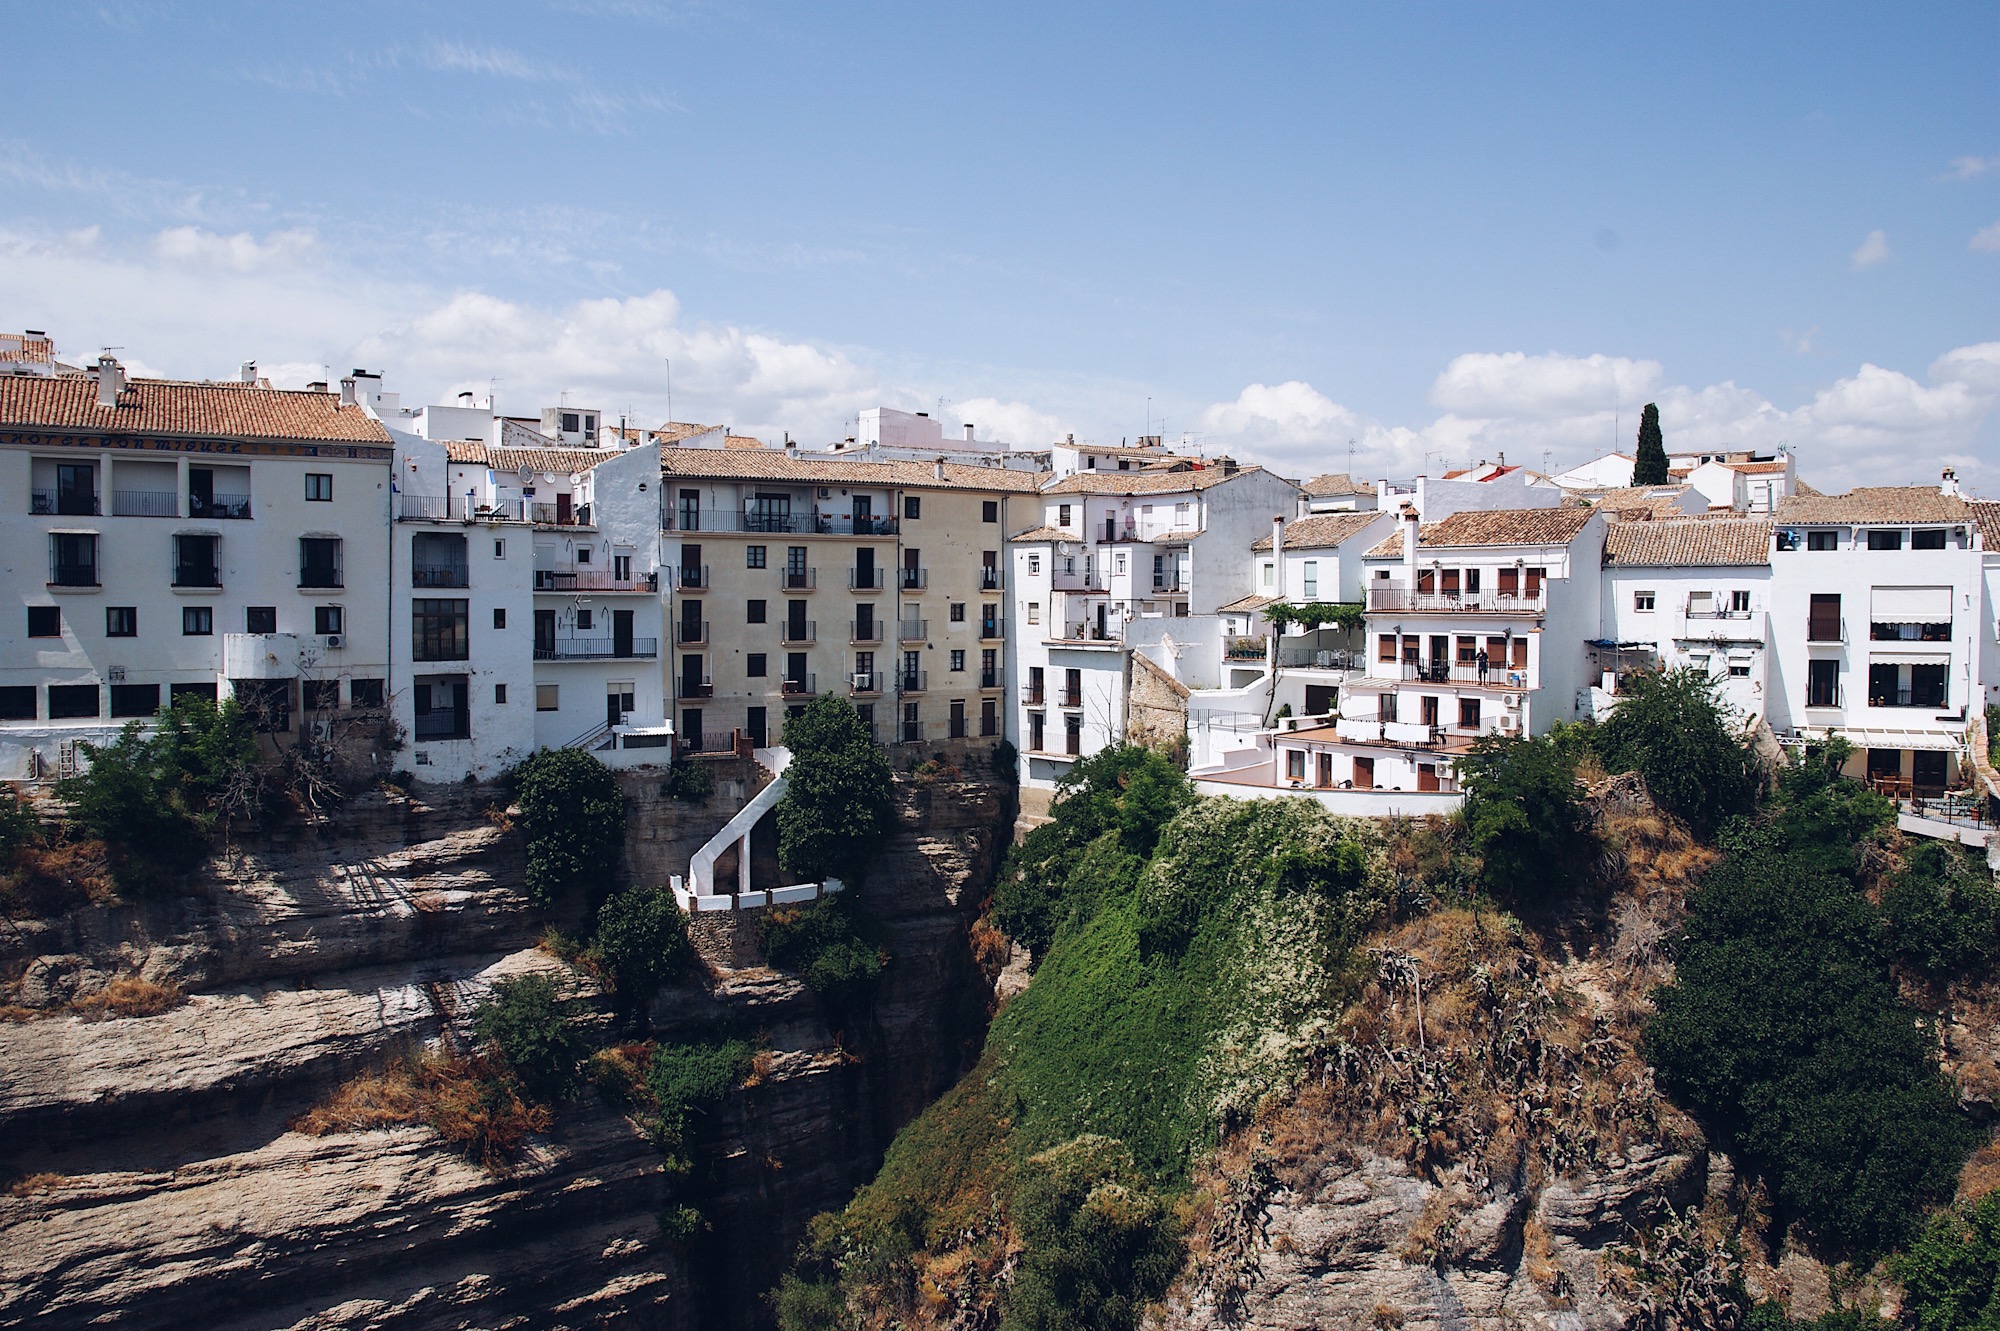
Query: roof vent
[[1948, 483], [937, 469], [316, 386], [347, 391], [110, 380]]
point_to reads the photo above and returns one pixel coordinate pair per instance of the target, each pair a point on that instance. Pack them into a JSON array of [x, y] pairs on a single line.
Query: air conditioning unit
[[1513, 702], [333, 640], [825, 492], [1507, 723]]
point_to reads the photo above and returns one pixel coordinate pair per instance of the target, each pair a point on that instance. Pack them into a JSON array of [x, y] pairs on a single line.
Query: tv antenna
[[670, 389]]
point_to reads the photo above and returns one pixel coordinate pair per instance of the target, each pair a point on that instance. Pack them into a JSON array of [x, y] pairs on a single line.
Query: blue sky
[[1440, 231]]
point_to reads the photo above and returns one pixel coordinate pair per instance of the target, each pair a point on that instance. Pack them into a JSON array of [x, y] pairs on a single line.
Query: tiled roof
[[1689, 543], [1638, 501], [1507, 526], [1986, 513], [165, 406], [1493, 475], [561, 461], [1336, 483], [1144, 482], [1042, 534], [1757, 468], [1321, 530], [771, 464], [1883, 503], [465, 450], [1246, 604]]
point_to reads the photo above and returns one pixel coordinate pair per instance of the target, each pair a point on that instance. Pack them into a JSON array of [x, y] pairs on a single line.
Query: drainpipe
[[1409, 514]]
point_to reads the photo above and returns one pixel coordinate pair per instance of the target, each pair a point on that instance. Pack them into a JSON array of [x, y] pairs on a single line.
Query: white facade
[[1708, 616], [1610, 472]]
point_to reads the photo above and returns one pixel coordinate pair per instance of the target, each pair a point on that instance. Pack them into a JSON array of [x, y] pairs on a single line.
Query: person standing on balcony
[[1482, 665]]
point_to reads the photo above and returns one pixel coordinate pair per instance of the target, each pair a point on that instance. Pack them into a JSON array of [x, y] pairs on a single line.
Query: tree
[[643, 938], [523, 1020], [573, 817], [1951, 1274], [1522, 816], [1650, 467], [835, 810], [1671, 729], [1098, 1246]]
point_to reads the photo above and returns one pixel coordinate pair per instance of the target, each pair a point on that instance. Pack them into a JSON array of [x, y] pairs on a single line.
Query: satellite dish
[[526, 474], [550, 477]]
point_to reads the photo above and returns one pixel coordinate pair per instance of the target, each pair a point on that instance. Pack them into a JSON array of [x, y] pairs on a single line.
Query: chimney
[[1948, 484], [316, 386], [347, 391], [968, 432], [248, 374], [1409, 515], [1278, 555], [110, 380], [937, 467], [465, 398]]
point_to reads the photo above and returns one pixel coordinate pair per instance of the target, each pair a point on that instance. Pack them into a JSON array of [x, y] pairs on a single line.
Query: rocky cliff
[[157, 1180]]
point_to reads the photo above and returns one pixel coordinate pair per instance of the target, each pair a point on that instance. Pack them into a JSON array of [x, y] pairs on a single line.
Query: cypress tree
[[1650, 468]]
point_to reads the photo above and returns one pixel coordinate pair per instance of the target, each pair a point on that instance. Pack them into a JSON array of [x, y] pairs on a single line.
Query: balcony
[[423, 508], [1399, 599], [1321, 658], [989, 679], [1826, 629], [691, 577], [438, 575], [591, 580], [598, 649], [1071, 697], [800, 579], [1459, 672], [858, 632], [145, 504], [439, 725], [1087, 635], [798, 632], [689, 633], [697, 688], [1033, 695], [864, 683], [219, 506], [913, 630], [912, 681], [864, 579], [1167, 584], [1244, 649], [795, 686], [989, 579], [197, 575], [63, 503], [1076, 580], [321, 577], [990, 629], [1818, 696], [778, 524], [913, 579], [72, 575], [560, 515]]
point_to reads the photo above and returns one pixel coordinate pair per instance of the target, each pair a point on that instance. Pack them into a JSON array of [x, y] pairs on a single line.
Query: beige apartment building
[[881, 581]]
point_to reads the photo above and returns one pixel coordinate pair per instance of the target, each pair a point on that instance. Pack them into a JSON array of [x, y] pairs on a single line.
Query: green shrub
[[835, 810], [826, 944], [524, 1023], [1097, 1244], [18, 824], [1951, 1273], [690, 782], [1523, 818], [1673, 730], [809, 1305], [685, 1078], [642, 940], [1942, 912], [573, 819], [1993, 732]]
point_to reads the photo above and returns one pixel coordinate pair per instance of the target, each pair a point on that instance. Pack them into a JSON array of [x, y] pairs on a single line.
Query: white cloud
[[1550, 386], [193, 247], [1015, 423], [1874, 249], [1966, 168], [1986, 240]]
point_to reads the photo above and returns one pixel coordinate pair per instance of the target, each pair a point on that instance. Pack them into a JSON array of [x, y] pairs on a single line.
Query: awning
[[1910, 605], [1863, 737]]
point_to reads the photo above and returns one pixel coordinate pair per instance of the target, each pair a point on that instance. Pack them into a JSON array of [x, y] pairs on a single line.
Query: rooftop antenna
[[493, 396], [1350, 459], [1545, 461], [1149, 417], [670, 390]]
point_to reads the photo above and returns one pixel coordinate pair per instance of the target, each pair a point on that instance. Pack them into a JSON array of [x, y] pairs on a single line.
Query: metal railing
[[989, 679], [1833, 697], [778, 524], [597, 649], [48, 503], [1323, 658], [689, 633], [1033, 695], [865, 579], [913, 579], [990, 629], [1072, 698], [219, 506], [1166, 584], [197, 575], [591, 580], [1081, 580], [439, 725], [433, 508], [1714, 612], [797, 633], [697, 688], [551, 515], [439, 575], [869, 632], [145, 504], [796, 685], [864, 681], [989, 579], [912, 681], [913, 630], [1495, 674], [72, 575], [694, 577], [800, 579], [1832, 629], [1481, 602], [321, 576]]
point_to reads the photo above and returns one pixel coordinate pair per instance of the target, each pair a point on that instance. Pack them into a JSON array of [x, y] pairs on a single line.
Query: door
[[621, 632], [1325, 772], [1102, 612], [753, 727], [864, 522], [616, 704], [1430, 708], [201, 491], [562, 510], [1927, 773], [545, 633], [690, 514], [76, 489], [1364, 774], [864, 556], [957, 718], [691, 676], [1427, 777], [1073, 736]]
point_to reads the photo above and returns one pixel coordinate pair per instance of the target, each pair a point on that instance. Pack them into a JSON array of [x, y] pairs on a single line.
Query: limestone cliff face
[[157, 1182]]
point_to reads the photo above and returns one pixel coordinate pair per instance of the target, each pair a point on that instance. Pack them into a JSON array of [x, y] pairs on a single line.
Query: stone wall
[[1156, 707]]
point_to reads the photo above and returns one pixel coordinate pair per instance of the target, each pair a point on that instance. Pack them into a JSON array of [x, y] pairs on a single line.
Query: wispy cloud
[[1873, 250], [1967, 168], [458, 58], [1986, 240]]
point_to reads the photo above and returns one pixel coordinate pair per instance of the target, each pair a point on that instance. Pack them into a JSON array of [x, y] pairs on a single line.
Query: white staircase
[[699, 890]]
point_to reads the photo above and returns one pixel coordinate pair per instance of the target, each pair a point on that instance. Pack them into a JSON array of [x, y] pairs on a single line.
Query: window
[[1885, 540], [72, 700], [196, 562], [499, 694], [1642, 600], [1295, 764], [439, 630], [499, 548], [1268, 574], [1822, 540], [769, 512], [1468, 713], [260, 619], [437, 559], [754, 665], [755, 556], [328, 619], [1062, 515], [365, 692], [45, 621], [134, 700], [1034, 612], [121, 621], [1385, 647], [1121, 561], [758, 611], [1823, 617], [1034, 563], [318, 695], [499, 618], [585, 619], [989, 510], [570, 423], [1739, 602], [913, 507], [958, 658], [197, 621], [1311, 573], [958, 612], [319, 561], [17, 702], [583, 554], [1933, 539], [621, 568], [1822, 683], [319, 486], [547, 698], [1739, 670]]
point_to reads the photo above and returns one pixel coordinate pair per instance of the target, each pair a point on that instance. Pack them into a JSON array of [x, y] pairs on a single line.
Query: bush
[[1097, 1245], [1523, 817], [18, 825], [808, 1305], [1672, 729], [642, 941], [524, 1023], [689, 782], [1942, 912], [835, 810], [573, 818], [684, 1078], [1951, 1274], [824, 944]]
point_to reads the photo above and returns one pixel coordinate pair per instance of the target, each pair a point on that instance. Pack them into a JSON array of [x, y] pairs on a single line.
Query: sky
[[1413, 236]]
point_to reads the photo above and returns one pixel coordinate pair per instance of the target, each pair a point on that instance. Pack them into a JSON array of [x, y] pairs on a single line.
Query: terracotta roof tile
[[771, 464], [1145, 482], [1757, 468], [1322, 530], [1042, 534], [1986, 513], [562, 461], [1507, 526], [1246, 604], [1689, 543], [164, 406], [1885, 503], [465, 450], [1336, 483]]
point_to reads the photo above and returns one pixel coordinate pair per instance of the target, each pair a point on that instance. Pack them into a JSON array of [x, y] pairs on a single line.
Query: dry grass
[[468, 1101], [129, 996], [991, 949], [1981, 1173], [761, 1064], [52, 879], [30, 1185]]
